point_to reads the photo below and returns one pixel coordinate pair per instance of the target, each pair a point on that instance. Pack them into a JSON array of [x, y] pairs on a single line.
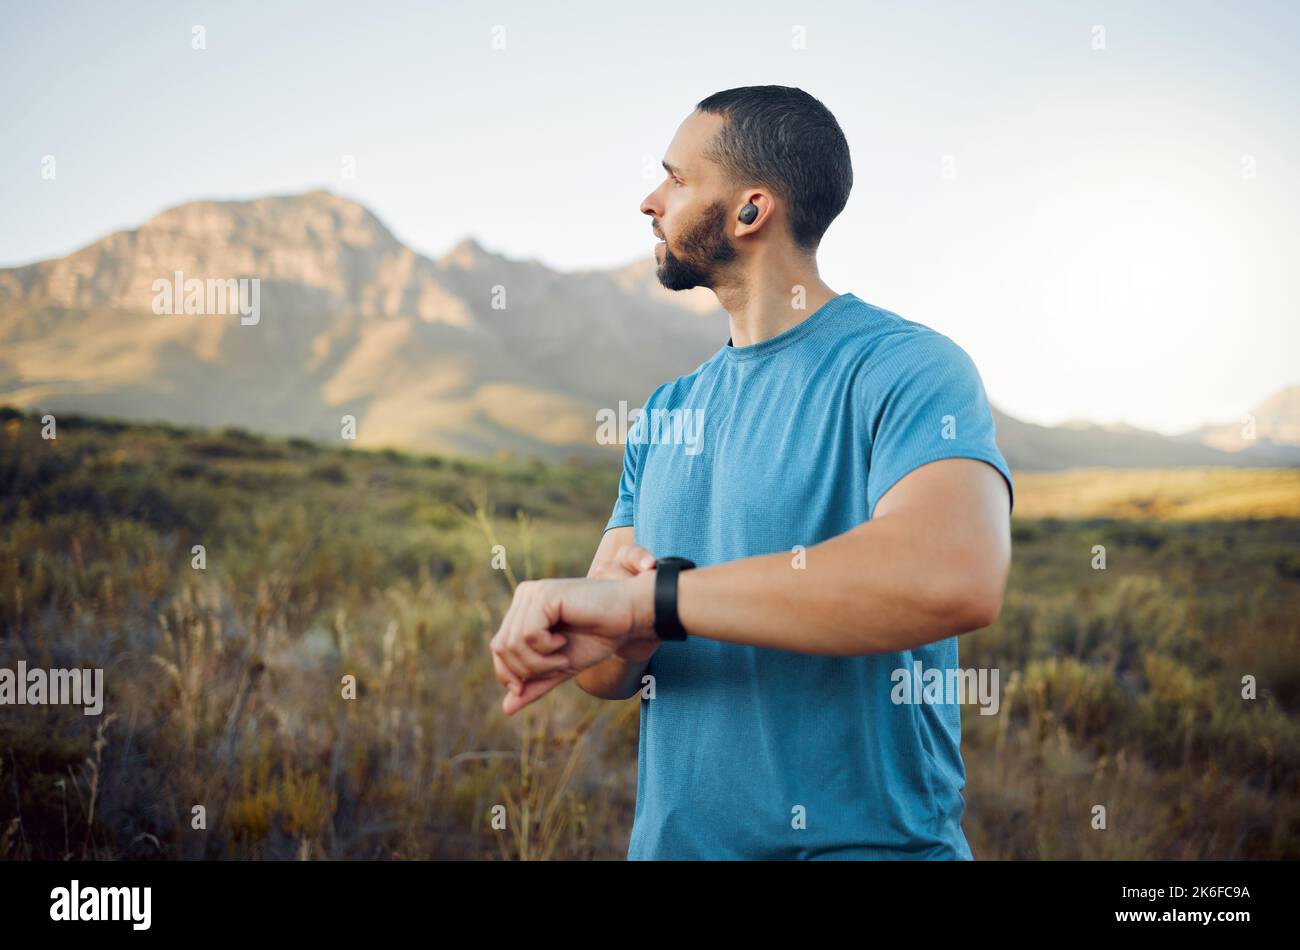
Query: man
[[846, 509]]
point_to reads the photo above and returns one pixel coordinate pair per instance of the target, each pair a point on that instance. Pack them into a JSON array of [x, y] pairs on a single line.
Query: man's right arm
[[617, 677]]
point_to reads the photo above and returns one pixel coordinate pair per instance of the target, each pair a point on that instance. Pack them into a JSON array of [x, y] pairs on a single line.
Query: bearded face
[[703, 250]]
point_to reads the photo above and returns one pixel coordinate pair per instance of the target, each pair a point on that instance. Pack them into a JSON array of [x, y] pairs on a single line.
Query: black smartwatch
[[667, 624]]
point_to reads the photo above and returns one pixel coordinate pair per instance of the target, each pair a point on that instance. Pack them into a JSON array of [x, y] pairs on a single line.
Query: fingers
[[524, 647], [628, 561], [543, 640], [522, 662], [633, 559], [506, 672], [529, 663], [509, 679], [534, 690], [528, 652]]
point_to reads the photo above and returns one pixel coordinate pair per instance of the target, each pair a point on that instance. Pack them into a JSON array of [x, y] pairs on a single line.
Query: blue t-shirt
[[757, 753]]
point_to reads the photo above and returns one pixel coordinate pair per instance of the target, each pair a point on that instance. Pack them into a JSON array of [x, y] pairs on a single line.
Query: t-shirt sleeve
[[626, 500], [633, 450], [930, 405]]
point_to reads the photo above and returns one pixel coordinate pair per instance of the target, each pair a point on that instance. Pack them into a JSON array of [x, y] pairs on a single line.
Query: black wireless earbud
[[749, 213]]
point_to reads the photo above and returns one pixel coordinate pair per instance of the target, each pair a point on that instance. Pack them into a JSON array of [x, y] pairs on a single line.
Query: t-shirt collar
[[781, 340]]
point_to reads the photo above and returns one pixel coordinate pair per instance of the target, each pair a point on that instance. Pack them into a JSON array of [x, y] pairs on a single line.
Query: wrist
[[643, 606]]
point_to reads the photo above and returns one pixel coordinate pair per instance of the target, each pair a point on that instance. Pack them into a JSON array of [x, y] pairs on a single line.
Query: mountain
[[1276, 427], [469, 352], [1078, 444]]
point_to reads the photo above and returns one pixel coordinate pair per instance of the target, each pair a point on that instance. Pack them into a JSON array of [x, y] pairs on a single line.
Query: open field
[[1120, 687], [1187, 494]]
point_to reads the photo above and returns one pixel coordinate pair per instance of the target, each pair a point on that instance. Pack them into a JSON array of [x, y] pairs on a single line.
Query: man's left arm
[[933, 561]]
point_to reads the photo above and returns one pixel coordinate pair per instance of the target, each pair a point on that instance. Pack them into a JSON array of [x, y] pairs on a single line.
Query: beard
[[705, 251]]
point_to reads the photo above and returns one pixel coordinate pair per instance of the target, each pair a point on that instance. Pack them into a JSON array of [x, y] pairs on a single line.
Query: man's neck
[[771, 301]]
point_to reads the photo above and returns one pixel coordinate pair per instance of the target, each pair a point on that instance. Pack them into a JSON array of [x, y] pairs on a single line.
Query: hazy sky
[[1111, 233]]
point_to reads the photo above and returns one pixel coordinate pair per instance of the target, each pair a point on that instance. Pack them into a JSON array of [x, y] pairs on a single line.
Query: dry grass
[[225, 685], [1192, 494]]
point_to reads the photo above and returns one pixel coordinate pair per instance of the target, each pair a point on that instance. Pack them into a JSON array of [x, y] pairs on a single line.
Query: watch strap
[[668, 625]]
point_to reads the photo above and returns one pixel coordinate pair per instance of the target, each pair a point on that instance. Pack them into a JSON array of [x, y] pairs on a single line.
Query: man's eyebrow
[[672, 169]]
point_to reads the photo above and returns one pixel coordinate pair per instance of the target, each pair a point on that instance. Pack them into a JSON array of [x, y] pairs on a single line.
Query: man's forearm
[[891, 584]]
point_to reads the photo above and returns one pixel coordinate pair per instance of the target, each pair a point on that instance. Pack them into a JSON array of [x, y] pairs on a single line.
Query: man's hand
[[629, 561], [555, 629]]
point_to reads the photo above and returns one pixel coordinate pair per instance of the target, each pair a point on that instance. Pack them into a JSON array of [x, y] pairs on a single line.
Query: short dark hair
[[784, 138]]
